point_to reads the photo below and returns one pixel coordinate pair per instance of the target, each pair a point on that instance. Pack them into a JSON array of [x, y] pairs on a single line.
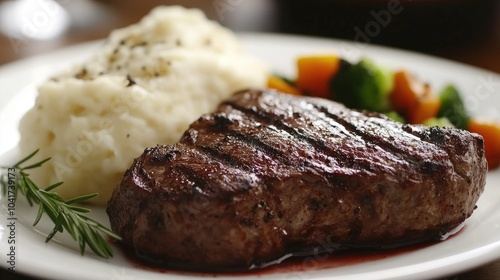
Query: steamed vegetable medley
[[398, 94]]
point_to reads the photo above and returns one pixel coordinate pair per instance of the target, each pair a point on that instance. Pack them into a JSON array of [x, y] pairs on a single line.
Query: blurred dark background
[[467, 31], [419, 25], [463, 30]]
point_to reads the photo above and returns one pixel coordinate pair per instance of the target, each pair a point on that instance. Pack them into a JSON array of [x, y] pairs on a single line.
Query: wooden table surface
[[478, 46]]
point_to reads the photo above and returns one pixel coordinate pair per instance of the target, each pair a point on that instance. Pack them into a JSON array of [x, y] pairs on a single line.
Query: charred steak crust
[[268, 174]]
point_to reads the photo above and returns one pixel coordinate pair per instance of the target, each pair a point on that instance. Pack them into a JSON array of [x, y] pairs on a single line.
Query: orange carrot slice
[[279, 84], [491, 135], [413, 99], [315, 72]]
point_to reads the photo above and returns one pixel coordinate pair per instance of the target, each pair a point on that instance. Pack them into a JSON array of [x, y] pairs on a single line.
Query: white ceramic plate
[[477, 244]]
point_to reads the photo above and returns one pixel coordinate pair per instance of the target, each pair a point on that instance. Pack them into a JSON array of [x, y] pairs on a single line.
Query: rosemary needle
[[63, 213]]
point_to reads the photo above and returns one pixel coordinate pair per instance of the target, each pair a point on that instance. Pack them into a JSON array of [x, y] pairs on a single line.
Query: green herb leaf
[[65, 216]]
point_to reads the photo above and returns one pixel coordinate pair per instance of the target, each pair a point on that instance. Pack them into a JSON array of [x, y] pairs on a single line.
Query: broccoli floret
[[453, 108], [363, 85], [441, 122]]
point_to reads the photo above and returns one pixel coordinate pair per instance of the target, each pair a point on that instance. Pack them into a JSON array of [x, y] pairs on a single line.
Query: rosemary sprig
[[65, 216]]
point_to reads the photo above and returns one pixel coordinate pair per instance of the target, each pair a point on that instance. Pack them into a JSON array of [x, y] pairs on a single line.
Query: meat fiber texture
[[143, 87], [268, 175]]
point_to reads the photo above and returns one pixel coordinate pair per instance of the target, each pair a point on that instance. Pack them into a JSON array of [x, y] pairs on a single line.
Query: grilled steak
[[269, 174]]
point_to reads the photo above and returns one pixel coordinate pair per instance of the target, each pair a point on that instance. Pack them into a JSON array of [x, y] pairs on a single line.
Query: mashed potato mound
[[144, 87]]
